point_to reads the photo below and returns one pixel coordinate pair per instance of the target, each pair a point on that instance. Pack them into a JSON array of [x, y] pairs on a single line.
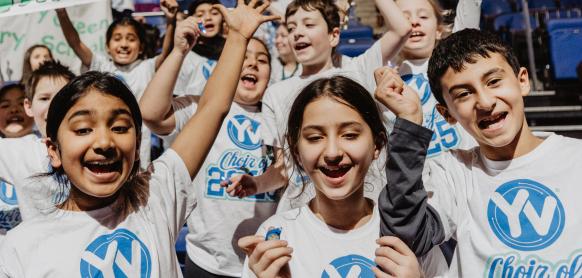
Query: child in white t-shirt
[[335, 133], [219, 219], [115, 220], [33, 58], [26, 156], [285, 66], [125, 39], [512, 202]]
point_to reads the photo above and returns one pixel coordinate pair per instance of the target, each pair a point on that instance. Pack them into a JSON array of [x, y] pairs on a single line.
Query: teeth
[[492, 119]]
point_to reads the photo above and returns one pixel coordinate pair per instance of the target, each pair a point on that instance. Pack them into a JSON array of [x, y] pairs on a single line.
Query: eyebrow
[[484, 76], [114, 113], [79, 113], [342, 125]]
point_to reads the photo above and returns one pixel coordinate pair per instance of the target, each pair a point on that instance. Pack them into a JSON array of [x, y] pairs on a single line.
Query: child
[[14, 122], [25, 156], [285, 66], [125, 44], [33, 58], [426, 18], [511, 203], [337, 231], [219, 219], [115, 221]]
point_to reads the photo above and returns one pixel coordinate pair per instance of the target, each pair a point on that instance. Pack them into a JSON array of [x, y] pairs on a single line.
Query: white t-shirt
[[445, 136], [277, 72], [136, 76], [102, 242], [20, 158], [323, 251], [193, 75], [277, 103], [220, 220], [509, 217]]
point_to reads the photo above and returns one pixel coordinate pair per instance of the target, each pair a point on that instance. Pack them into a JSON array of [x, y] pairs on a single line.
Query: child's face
[[38, 56], [335, 152], [210, 17], [425, 29], [254, 76], [97, 146], [309, 39], [486, 98], [13, 120], [282, 41], [46, 89], [124, 46]]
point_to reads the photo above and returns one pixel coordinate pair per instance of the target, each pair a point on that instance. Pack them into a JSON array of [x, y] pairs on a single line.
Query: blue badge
[[420, 84], [244, 132], [349, 266], [8, 194], [273, 233], [525, 215], [119, 254]]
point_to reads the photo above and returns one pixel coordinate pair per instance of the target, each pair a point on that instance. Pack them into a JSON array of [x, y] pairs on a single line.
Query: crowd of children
[[300, 162]]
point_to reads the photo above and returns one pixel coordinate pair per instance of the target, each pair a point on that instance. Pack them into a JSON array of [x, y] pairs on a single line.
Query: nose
[[14, 109], [414, 20], [251, 62], [333, 153], [485, 101], [104, 144]]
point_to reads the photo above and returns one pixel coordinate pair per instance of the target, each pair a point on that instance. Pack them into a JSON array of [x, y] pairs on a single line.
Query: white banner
[[18, 7], [18, 33]]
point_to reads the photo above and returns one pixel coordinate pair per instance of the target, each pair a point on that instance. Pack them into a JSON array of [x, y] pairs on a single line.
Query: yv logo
[[244, 132], [207, 68], [525, 215], [420, 84], [7, 193], [350, 266], [120, 254]]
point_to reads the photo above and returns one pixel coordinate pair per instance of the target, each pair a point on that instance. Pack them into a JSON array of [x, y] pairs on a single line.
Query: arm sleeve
[[468, 14], [270, 134], [404, 210], [101, 63]]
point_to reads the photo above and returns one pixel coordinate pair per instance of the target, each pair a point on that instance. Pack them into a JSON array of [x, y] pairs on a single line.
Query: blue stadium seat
[[514, 22], [492, 8], [354, 48], [571, 3], [357, 33], [565, 39], [537, 4]]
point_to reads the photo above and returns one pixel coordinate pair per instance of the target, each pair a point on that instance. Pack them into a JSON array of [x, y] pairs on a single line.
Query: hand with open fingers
[[245, 19], [391, 91], [240, 186], [267, 259], [395, 259], [170, 8], [186, 35]]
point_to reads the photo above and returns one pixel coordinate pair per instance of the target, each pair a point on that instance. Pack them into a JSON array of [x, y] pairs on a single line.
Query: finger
[[388, 266], [380, 274], [390, 253], [271, 255], [264, 5], [248, 243], [396, 244], [264, 246], [252, 3], [240, 3], [222, 9], [378, 73], [267, 18], [276, 266]]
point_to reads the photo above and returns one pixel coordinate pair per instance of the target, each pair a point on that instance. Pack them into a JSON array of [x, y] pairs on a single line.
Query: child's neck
[[79, 201], [309, 70], [523, 143], [347, 214]]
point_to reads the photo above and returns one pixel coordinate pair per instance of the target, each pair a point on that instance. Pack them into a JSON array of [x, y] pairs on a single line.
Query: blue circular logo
[[8, 194], [419, 83], [349, 266], [119, 254], [525, 215], [244, 132]]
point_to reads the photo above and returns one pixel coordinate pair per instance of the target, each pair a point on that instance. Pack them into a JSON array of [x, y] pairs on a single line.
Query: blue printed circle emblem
[[420, 84], [349, 266], [8, 194], [119, 254], [244, 132], [525, 215]]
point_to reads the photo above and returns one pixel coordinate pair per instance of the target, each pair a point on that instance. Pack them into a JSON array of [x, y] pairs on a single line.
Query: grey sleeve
[[404, 210]]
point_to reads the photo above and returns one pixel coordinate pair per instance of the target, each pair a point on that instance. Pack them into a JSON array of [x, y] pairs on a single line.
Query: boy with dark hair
[[511, 202]]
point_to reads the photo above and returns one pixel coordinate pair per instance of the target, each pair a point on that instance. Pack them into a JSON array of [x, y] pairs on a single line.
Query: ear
[[334, 37], [523, 79], [54, 154], [439, 32], [445, 112], [28, 107]]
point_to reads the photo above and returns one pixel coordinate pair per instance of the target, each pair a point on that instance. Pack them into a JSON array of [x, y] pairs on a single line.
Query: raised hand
[[245, 19], [267, 259], [396, 96], [395, 259], [170, 9], [240, 186], [186, 35]]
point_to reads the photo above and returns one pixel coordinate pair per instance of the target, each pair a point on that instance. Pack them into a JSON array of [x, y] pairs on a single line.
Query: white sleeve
[[10, 265], [366, 64], [171, 192], [101, 63], [19, 159], [190, 80], [184, 108], [468, 14], [434, 264], [270, 134]]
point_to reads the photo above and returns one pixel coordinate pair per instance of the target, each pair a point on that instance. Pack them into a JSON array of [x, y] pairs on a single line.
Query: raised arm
[[156, 102], [197, 137], [72, 36], [468, 15], [399, 29], [170, 9], [403, 203]]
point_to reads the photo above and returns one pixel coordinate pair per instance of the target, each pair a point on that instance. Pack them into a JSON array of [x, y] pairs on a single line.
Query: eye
[[313, 138], [494, 82], [263, 61], [120, 129], [351, 135], [462, 94], [82, 131]]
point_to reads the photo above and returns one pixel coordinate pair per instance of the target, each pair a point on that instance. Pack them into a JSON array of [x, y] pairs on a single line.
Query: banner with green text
[[17, 33]]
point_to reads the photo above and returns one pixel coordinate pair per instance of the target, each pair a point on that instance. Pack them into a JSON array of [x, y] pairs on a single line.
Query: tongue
[[335, 173], [248, 83], [14, 127]]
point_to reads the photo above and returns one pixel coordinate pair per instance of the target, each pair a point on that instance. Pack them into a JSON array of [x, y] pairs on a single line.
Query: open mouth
[[492, 121], [103, 166], [249, 81], [416, 35], [301, 45], [123, 53], [335, 172], [208, 26], [16, 119]]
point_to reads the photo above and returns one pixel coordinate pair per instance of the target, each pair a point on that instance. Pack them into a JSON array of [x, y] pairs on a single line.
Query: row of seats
[[493, 8]]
